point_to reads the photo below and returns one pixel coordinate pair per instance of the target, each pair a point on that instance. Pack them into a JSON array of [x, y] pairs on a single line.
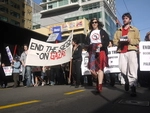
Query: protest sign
[[84, 65], [7, 70], [113, 61], [144, 48], [49, 54]]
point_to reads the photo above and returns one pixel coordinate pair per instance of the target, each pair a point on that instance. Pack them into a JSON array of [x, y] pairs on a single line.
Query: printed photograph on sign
[[84, 64]]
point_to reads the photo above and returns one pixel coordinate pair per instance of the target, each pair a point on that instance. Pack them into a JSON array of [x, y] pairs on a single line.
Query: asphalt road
[[67, 99]]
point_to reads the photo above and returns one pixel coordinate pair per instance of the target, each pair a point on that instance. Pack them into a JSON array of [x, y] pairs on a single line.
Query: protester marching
[[69, 62]]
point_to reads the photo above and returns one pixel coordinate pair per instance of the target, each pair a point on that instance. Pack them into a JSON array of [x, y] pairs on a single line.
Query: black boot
[[133, 91]]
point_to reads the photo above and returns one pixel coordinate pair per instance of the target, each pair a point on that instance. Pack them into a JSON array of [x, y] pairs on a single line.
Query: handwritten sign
[[7, 70], [144, 48], [48, 54], [113, 61]]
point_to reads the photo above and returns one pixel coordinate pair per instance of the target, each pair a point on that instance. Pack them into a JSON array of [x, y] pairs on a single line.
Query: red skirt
[[101, 61]]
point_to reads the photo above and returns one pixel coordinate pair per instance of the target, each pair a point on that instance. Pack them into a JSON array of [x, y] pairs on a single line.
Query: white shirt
[[95, 36]]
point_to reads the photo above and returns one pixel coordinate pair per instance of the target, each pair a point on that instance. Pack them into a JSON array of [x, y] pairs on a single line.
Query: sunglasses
[[94, 22]]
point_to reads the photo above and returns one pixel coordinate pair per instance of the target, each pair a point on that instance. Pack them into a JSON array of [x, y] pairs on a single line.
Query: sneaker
[[52, 83], [126, 86], [133, 91], [43, 83]]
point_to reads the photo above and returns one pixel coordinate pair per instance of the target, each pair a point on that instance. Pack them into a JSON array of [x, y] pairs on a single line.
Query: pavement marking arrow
[[18, 104], [73, 92]]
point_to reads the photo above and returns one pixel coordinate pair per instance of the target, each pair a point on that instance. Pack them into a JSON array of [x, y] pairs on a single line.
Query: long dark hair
[[100, 24], [147, 37]]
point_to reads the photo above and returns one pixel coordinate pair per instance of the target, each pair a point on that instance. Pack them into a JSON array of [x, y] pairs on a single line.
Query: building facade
[[17, 12], [56, 11], [36, 16]]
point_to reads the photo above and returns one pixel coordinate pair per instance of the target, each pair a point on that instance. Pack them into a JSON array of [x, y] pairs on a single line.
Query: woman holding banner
[[26, 70], [98, 41], [76, 62]]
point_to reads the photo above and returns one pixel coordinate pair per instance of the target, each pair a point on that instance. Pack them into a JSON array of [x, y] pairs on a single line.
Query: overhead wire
[[127, 10]]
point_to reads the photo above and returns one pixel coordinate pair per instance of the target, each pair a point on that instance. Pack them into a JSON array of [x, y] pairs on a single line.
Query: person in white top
[[97, 41]]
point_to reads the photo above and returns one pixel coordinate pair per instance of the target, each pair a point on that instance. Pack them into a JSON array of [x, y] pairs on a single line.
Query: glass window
[[73, 1], [36, 26], [52, 5], [14, 5], [3, 18], [14, 22], [15, 14], [91, 6], [63, 2], [3, 9], [88, 17], [5, 1]]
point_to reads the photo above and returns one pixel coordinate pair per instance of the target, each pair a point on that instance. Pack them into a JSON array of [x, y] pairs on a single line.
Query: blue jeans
[[28, 76]]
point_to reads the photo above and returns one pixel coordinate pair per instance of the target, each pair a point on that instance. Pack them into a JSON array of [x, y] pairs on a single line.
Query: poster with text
[[144, 48], [49, 54], [113, 61]]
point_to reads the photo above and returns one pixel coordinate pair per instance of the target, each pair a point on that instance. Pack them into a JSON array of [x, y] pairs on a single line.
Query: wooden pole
[[15, 48], [70, 72]]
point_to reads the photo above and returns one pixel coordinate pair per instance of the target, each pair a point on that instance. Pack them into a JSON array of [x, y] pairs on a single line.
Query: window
[[5, 1], [14, 5], [15, 22], [91, 6], [36, 26], [3, 9], [43, 0], [13, 13], [52, 5], [3, 18], [63, 2], [88, 17], [74, 1]]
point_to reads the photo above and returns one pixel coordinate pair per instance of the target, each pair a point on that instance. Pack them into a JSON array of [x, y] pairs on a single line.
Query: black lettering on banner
[[51, 49], [43, 56], [146, 63], [110, 57], [67, 44], [146, 53], [114, 66], [109, 52], [146, 47], [35, 46], [114, 52]]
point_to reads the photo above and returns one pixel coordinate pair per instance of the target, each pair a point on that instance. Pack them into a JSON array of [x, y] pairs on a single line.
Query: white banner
[[84, 65], [113, 61], [7, 70], [144, 48], [48, 54]]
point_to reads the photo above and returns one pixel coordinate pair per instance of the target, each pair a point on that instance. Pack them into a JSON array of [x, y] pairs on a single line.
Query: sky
[[139, 9]]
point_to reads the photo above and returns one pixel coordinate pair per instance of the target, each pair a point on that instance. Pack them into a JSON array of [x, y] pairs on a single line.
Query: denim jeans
[[28, 76]]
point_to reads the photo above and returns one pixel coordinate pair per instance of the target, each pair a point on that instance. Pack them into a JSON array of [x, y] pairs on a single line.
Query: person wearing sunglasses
[[97, 41]]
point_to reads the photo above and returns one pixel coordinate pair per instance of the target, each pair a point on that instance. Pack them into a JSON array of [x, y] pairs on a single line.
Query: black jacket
[[77, 53]]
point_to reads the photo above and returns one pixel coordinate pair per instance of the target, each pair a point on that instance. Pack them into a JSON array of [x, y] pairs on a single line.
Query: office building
[[17, 12], [58, 11]]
